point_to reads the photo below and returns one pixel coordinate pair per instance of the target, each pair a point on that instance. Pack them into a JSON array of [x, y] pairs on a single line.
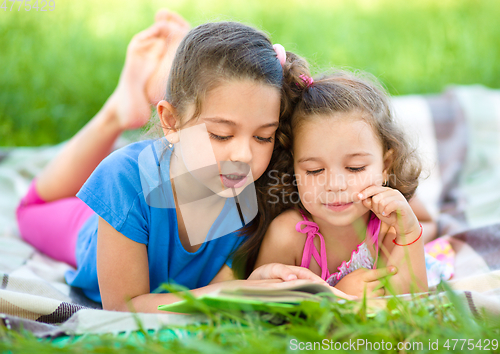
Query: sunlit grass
[[57, 68], [424, 324]]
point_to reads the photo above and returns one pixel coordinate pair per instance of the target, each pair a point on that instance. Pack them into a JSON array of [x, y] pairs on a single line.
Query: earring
[[385, 184], [169, 143]]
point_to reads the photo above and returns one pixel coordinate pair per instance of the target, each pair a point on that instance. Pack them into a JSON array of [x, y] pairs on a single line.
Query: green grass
[[425, 325], [57, 68]]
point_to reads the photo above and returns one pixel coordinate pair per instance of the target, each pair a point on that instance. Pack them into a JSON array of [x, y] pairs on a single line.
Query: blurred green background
[[58, 68]]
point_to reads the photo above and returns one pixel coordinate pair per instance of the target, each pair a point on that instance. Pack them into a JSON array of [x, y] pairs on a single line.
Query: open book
[[251, 298]]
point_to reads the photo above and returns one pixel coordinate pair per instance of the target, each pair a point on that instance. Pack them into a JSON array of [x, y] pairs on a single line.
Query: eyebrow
[[359, 154], [306, 159], [231, 123]]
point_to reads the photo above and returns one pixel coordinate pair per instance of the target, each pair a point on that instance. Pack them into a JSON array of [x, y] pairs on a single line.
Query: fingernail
[[383, 213], [292, 277], [393, 270], [360, 196]]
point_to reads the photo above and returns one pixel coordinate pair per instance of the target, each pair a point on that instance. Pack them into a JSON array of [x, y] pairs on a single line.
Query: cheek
[[261, 158], [309, 189], [365, 179]]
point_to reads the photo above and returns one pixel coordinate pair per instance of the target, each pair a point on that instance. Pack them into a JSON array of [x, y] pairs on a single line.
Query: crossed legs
[[50, 215]]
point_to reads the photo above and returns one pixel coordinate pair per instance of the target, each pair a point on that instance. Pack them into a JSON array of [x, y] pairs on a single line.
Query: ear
[[388, 160], [169, 120]]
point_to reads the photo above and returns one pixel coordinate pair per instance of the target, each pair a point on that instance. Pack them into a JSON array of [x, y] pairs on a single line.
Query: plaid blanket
[[456, 133]]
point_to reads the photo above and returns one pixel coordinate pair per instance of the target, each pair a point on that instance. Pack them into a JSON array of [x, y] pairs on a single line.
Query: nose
[[335, 182], [240, 151]]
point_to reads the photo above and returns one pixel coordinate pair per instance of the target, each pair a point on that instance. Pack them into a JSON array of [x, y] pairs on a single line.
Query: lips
[[337, 206], [233, 180]]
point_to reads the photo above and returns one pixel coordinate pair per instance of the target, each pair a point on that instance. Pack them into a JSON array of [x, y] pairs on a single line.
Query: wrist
[[409, 238]]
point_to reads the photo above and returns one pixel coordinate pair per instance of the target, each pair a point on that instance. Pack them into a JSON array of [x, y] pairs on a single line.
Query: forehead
[[335, 135], [244, 102]]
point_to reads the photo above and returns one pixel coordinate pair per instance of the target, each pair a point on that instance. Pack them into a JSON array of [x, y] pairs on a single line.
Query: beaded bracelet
[[421, 231]]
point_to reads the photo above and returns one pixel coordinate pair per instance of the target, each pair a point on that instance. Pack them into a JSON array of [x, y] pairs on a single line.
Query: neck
[[200, 206], [355, 230], [186, 188]]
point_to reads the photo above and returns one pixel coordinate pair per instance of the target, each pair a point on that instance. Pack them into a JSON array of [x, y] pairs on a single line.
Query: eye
[[356, 169], [219, 138], [315, 172], [264, 140]]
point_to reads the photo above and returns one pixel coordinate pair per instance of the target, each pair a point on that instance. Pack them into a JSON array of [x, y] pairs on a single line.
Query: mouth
[[233, 180], [337, 206]]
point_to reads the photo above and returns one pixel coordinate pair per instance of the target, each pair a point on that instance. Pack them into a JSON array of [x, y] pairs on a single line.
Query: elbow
[[409, 283], [119, 307]]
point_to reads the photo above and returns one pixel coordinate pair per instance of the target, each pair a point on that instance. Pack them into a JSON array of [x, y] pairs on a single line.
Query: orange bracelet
[[421, 231]]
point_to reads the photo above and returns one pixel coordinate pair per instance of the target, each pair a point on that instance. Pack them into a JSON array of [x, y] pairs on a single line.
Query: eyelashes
[[315, 172], [218, 137], [356, 169], [350, 169], [259, 139]]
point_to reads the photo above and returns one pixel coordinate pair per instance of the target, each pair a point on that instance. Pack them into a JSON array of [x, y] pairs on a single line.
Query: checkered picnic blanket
[[457, 133]]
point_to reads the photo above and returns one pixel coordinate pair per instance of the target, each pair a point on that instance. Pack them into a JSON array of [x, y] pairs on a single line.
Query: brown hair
[[340, 91], [216, 52], [245, 257]]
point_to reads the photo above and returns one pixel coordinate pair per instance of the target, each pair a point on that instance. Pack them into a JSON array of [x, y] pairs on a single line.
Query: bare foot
[[179, 27], [148, 53]]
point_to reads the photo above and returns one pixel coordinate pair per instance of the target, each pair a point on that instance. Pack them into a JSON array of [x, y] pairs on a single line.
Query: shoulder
[[121, 168], [115, 191], [286, 220], [282, 234], [128, 156]]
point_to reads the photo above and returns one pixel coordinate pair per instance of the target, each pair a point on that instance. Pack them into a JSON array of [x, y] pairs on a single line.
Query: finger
[[305, 273], [396, 206], [371, 191], [377, 293], [288, 284], [341, 294], [367, 203], [283, 272], [376, 274], [384, 202]]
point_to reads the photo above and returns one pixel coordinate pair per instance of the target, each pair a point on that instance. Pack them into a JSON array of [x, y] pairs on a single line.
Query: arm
[[392, 208], [425, 218], [409, 260], [281, 242], [123, 273]]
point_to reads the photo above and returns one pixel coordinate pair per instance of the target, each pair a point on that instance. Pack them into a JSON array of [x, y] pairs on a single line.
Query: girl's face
[[335, 158], [231, 142]]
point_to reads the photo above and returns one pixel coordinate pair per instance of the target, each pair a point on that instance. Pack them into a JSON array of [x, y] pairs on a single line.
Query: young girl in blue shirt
[[229, 85]]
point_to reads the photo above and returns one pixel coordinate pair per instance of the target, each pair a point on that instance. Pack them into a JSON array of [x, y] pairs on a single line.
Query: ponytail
[[292, 87]]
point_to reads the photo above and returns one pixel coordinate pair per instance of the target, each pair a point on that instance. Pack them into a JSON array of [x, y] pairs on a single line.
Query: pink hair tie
[[280, 53], [308, 81]]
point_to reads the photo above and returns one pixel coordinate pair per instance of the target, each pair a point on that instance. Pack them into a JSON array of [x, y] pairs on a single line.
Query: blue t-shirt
[[115, 193]]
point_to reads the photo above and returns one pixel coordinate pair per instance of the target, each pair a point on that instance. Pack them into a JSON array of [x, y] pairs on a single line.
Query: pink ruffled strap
[[312, 229], [373, 232]]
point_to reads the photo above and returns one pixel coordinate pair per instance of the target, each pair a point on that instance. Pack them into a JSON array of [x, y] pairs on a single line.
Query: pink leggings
[[52, 227]]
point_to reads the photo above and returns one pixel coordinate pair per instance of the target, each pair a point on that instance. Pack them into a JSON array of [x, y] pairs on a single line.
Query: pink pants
[[52, 227]]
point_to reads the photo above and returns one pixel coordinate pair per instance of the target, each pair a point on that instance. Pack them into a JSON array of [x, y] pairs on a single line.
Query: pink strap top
[[361, 257]]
